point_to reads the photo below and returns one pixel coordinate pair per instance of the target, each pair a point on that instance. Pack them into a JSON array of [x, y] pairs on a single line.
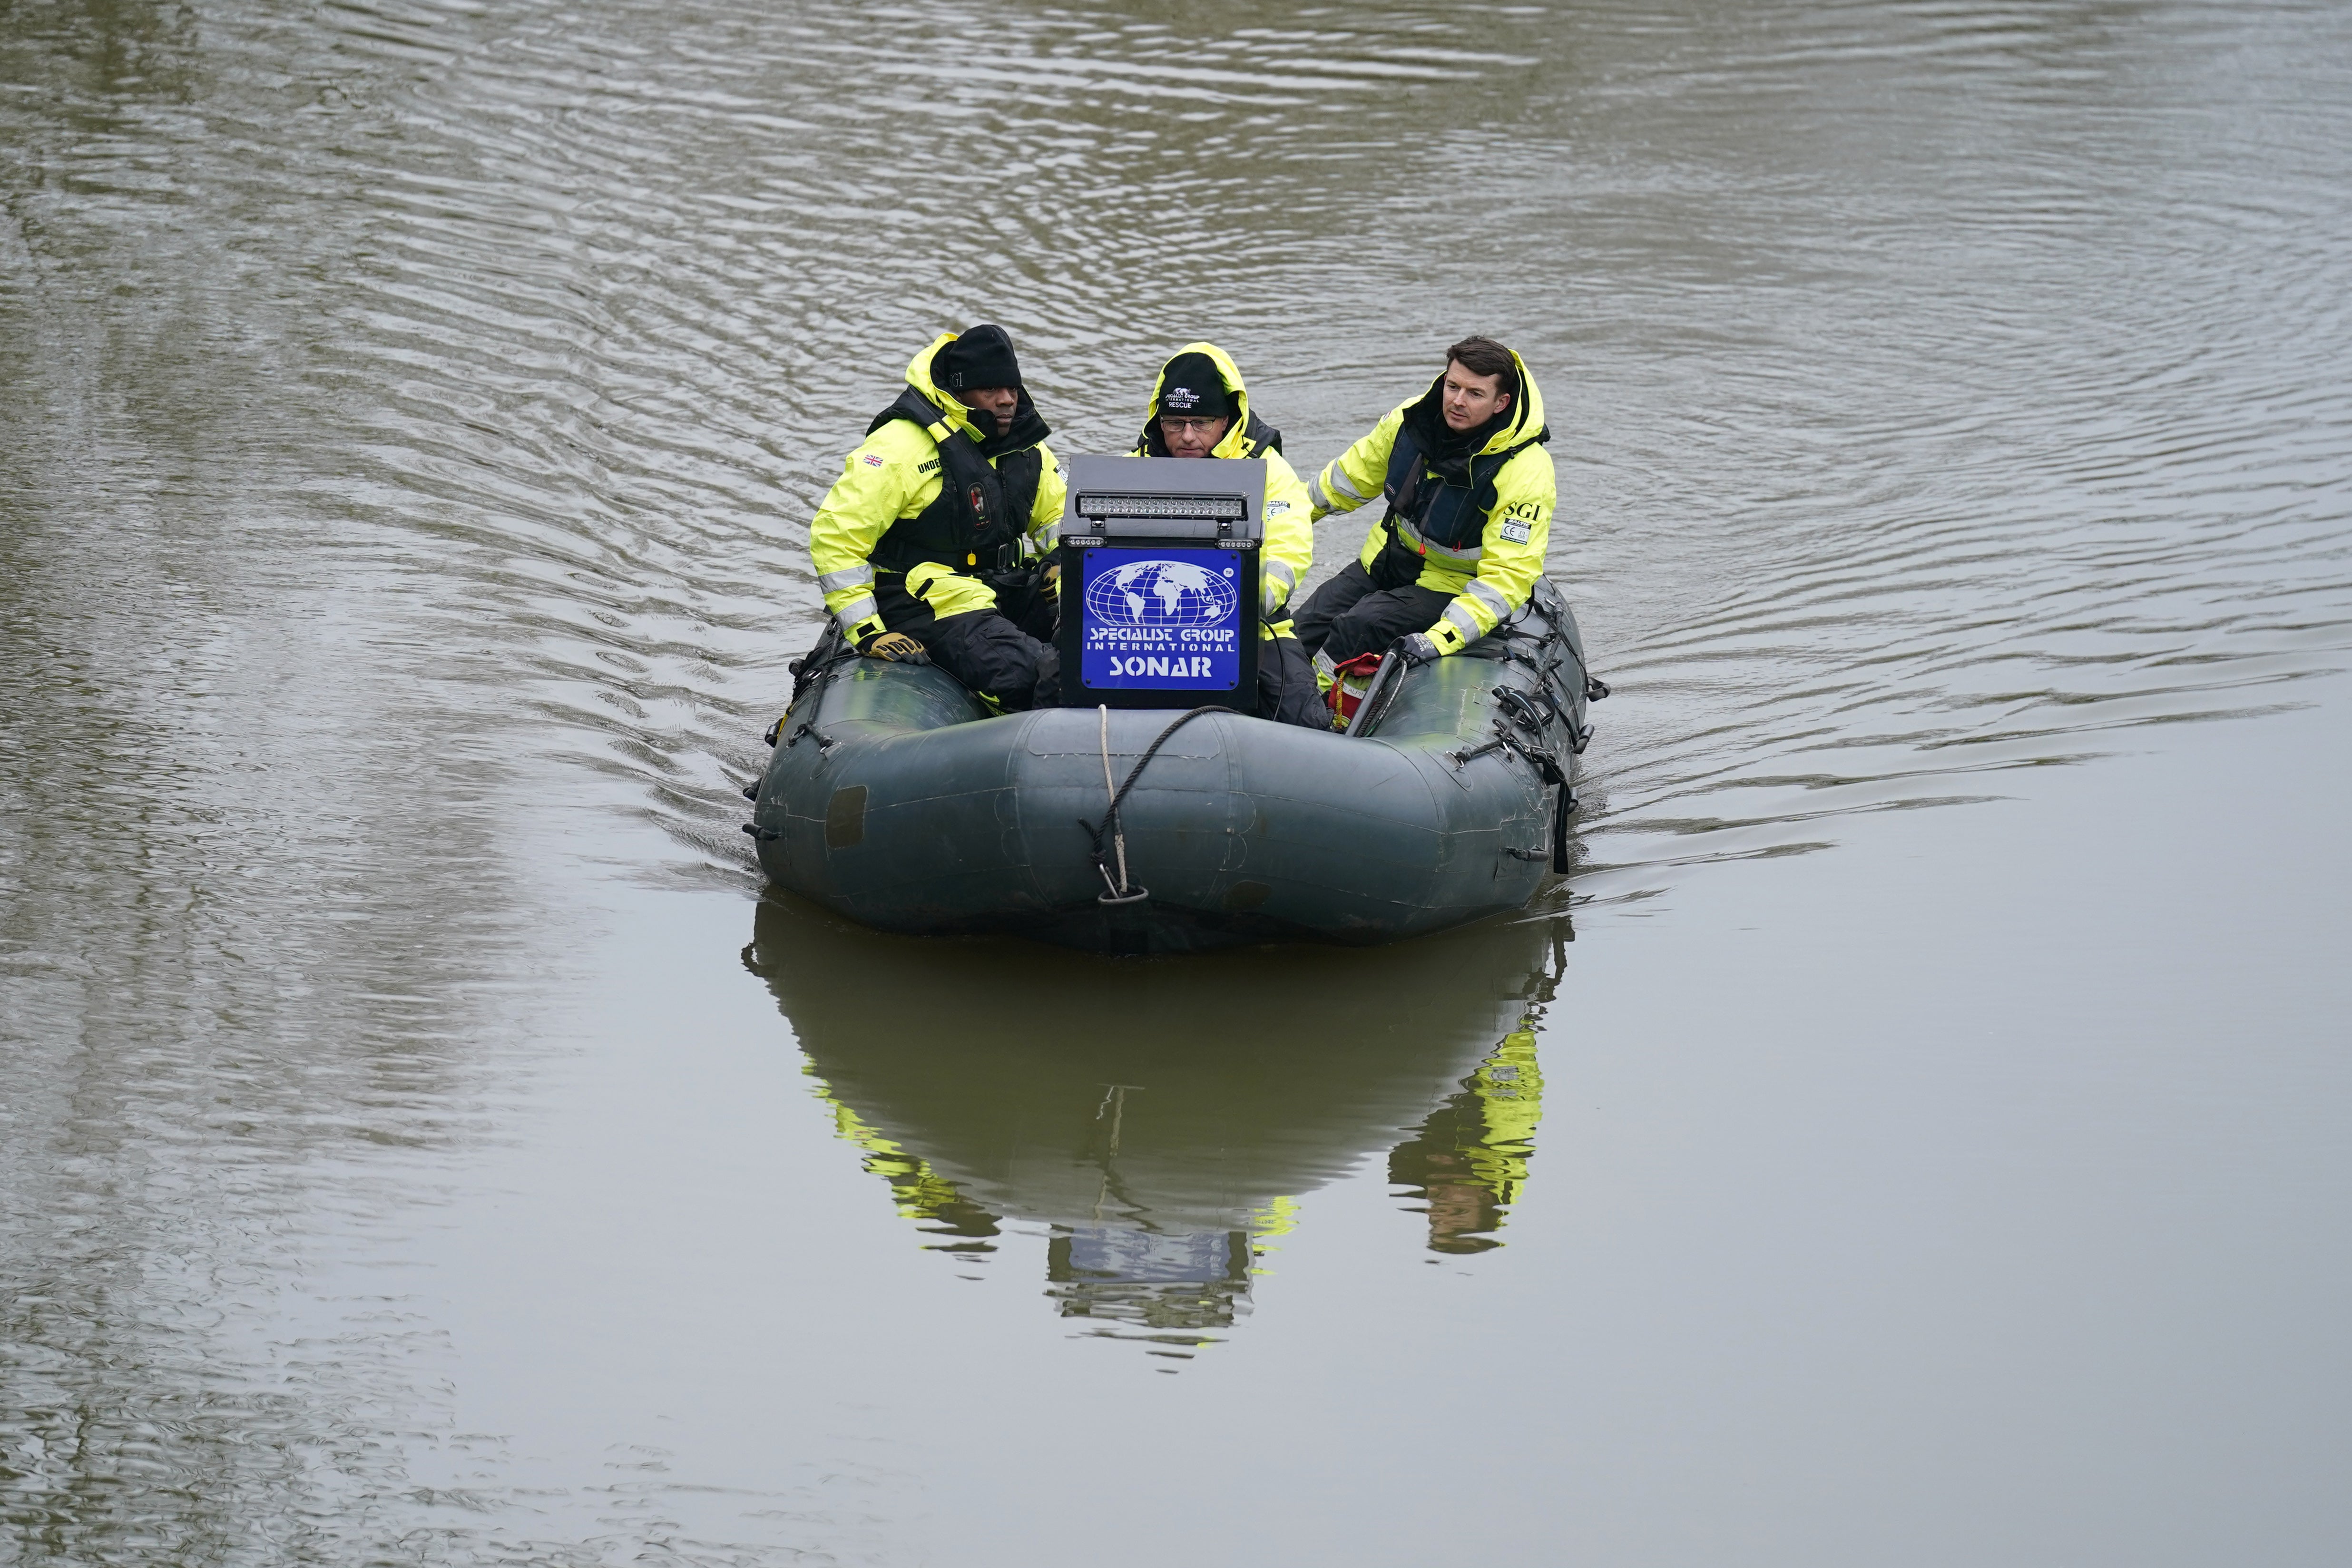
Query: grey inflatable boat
[[895, 798]]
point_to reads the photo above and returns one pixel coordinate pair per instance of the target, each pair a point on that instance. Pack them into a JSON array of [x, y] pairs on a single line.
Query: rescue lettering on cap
[[1181, 398]]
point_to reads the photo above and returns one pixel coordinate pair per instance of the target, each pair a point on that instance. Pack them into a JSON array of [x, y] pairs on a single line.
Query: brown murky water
[[1913, 1134]]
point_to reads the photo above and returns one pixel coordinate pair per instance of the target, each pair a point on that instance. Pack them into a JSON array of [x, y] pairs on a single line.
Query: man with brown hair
[[1470, 492]]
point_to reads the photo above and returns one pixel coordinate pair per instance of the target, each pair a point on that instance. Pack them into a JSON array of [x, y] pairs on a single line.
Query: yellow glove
[[895, 646]]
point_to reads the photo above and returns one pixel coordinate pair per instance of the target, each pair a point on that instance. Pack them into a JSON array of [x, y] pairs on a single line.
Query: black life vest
[[982, 507], [1440, 509]]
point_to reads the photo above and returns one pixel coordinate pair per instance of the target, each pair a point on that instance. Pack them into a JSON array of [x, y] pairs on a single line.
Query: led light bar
[[1231, 509]]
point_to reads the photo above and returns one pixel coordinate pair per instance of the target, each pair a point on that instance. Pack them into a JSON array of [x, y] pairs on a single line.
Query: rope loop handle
[[1119, 892]]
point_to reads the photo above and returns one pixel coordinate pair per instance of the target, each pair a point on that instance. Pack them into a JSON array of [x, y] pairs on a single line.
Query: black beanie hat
[[982, 357], [1193, 388]]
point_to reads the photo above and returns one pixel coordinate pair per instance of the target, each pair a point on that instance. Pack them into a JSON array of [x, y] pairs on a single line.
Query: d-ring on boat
[[1120, 824]]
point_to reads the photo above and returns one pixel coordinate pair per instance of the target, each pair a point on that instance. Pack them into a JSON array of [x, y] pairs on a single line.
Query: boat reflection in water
[[1161, 1119]]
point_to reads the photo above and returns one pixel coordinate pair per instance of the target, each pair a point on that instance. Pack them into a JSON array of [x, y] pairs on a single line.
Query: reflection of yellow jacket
[[1289, 548], [1491, 578], [1469, 1159], [920, 1192], [895, 474], [1509, 1089]]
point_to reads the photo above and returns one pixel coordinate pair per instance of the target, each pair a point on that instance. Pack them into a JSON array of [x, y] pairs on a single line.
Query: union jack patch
[[872, 461]]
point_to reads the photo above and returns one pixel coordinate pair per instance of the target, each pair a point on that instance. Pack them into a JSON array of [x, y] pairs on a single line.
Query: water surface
[[1912, 1134]]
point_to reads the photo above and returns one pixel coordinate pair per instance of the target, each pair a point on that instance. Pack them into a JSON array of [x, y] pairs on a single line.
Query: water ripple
[[415, 410]]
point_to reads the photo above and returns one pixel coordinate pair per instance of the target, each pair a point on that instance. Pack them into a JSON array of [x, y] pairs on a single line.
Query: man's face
[[1189, 437], [997, 402], [1469, 399]]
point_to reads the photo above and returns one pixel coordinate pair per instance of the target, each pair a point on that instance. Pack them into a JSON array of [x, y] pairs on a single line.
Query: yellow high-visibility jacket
[[894, 475], [1489, 579], [1289, 548]]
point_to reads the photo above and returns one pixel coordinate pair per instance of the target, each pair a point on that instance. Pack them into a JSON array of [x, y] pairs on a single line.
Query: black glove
[[1418, 648], [895, 646]]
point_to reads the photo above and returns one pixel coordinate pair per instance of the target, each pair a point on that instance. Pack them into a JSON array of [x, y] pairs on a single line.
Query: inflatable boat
[[1120, 824]]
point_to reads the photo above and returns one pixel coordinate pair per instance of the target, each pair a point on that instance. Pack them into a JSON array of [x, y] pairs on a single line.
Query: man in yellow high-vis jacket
[[952, 500], [1200, 408], [1470, 491]]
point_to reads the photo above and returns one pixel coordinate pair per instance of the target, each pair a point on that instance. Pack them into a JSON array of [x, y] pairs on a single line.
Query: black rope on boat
[[1524, 711], [1119, 891], [1549, 772], [813, 668], [832, 651]]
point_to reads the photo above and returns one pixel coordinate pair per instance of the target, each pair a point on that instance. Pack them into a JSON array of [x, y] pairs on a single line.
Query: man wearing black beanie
[[927, 546], [982, 357], [1191, 394], [1199, 408]]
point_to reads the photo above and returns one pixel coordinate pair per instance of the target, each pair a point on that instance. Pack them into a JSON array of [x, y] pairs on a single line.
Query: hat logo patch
[[1183, 397]]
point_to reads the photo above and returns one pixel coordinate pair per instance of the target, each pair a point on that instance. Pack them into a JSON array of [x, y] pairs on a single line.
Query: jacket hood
[[1028, 427], [1239, 440], [1523, 422]]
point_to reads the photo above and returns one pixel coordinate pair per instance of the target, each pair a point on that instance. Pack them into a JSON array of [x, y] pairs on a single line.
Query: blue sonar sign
[[1161, 619]]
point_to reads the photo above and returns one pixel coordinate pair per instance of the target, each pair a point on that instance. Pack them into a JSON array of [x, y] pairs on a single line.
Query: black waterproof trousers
[[1008, 654], [983, 649], [1352, 614], [1287, 689]]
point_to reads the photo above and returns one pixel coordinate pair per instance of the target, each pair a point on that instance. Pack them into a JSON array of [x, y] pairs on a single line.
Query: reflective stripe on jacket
[[1289, 547], [893, 476], [1490, 576]]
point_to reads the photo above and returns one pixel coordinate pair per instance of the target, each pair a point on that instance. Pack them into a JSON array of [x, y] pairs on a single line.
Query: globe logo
[[1162, 594]]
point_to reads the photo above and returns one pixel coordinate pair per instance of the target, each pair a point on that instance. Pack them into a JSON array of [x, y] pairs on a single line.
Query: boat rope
[[1120, 893], [1110, 792], [1549, 773]]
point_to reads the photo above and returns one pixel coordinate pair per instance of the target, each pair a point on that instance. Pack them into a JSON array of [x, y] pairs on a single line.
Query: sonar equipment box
[[1159, 569]]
